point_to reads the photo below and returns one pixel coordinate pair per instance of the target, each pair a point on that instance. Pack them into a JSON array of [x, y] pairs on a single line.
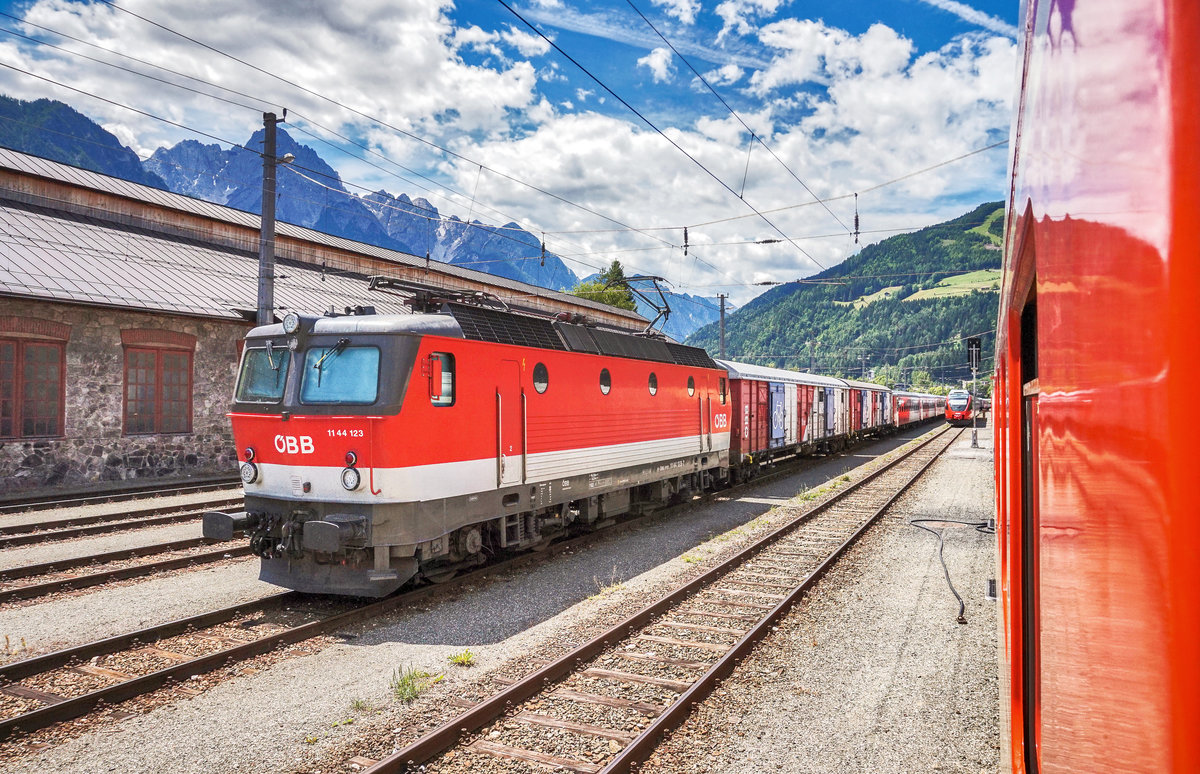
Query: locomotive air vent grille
[[578, 338], [690, 356], [505, 327], [624, 345]]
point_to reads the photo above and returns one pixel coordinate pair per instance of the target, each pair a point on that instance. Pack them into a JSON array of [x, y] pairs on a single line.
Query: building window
[[31, 388], [158, 390]]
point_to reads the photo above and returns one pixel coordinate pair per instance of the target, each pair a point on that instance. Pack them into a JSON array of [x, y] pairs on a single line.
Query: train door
[[803, 411], [792, 408], [830, 412], [510, 424], [1031, 688], [778, 414]]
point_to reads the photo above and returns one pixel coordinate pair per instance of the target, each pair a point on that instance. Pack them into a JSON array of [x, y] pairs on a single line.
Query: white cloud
[[659, 63], [738, 15], [525, 43], [683, 10], [845, 112], [399, 62], [974, 16], [726, 75]]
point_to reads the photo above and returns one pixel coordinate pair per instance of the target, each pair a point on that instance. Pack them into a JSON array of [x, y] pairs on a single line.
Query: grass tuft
[[464, 659]]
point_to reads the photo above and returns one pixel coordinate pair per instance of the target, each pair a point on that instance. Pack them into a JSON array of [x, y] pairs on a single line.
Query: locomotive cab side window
[[339, 374], [441, 380], [724, 389], [263, 375]]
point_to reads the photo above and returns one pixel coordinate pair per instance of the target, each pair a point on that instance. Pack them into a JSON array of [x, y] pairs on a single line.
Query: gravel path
[[872, 673], [315, 712]]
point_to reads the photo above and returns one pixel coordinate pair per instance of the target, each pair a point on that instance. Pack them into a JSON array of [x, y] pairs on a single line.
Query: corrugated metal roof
[[47, 254], [749, 371], [65, 173]]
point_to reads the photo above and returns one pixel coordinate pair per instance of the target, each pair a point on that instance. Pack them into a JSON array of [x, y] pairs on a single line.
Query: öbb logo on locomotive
[[474, 411], [290, 444]]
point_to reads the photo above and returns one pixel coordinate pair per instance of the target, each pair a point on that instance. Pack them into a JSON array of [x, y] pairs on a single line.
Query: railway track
[[87, 571], [15, 535], [60, 686], [46, 502], [604, 706]]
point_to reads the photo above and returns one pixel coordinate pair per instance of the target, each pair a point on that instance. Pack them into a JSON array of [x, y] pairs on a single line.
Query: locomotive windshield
[[340, 374], [264, 374], [958, 400]]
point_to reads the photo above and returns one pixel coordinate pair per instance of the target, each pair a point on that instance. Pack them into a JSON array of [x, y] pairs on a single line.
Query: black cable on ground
[[980, 526]]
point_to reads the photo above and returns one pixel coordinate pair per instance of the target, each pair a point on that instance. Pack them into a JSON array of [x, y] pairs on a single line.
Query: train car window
[[691, 386], [724, 388], [443, 364], [653, 383], [339, 374], [541, 378], [263, 376], [605, 381]]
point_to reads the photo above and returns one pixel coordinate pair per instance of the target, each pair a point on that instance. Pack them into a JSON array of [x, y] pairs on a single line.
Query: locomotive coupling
[[222, 526]]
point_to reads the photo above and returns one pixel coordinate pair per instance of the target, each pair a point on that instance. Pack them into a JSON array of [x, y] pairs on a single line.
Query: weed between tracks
[[464, 659], [407, 683]]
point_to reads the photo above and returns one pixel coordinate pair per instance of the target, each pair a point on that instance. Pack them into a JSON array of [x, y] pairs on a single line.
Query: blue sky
[[845, 97]]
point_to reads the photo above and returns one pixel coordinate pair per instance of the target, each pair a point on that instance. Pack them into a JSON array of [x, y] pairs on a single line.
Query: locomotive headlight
[[350, 479], [351, 459], [249, 472], [291, 323]]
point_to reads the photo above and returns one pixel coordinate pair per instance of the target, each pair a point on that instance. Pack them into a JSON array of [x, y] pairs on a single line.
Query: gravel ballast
[[315, 712], [872, 673]]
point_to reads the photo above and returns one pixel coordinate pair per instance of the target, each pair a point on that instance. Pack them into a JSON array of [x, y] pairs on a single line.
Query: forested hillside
[[896, 310]]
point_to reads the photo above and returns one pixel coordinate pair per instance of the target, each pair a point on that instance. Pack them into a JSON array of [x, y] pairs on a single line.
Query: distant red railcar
[[1097, 357]]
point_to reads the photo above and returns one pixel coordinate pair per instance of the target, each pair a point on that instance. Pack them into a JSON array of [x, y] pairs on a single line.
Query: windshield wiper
[[331, 352], [271, 360], [336, 348]]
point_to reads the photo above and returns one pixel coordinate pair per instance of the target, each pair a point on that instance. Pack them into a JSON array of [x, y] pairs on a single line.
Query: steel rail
[[74, 707], [101, 518], [45, 532], [450, 733], [56, 500], [43, 568], [34, 590]]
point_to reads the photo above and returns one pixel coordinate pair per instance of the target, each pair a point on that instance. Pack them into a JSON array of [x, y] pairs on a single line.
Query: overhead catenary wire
[[754, 137], [661, 133], [566, 255]]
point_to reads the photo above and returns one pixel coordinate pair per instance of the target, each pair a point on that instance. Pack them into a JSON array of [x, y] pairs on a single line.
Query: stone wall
[[94, 449]]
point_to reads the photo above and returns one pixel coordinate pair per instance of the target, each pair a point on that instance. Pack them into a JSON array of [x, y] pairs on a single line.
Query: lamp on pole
[[266, 236]]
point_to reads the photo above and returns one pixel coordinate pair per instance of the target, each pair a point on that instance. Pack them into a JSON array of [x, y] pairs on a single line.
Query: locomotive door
[[510, 424]]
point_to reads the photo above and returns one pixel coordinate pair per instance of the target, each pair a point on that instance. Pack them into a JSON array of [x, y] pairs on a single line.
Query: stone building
[[123, 311]]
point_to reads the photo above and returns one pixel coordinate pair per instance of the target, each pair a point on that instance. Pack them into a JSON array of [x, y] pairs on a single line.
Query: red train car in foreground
[[1097, 362]]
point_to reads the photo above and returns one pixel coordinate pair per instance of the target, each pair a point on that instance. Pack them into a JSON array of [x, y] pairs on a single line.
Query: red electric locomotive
[[1099, 550], [378, 447]]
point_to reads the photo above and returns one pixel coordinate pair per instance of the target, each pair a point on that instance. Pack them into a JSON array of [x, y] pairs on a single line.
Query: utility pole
[[722, 296], [266, 237]]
